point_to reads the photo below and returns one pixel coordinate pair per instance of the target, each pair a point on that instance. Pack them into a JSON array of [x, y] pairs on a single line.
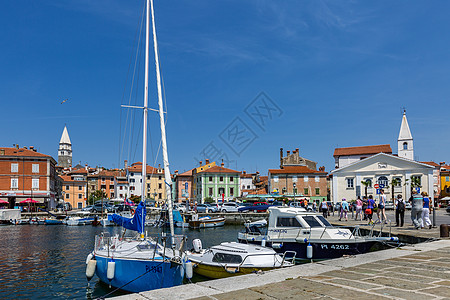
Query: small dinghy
[[205, 222], [231, 259]]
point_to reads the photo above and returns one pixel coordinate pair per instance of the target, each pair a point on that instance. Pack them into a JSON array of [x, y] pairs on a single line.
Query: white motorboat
[[309, 234], [231, 258], [206, 222]]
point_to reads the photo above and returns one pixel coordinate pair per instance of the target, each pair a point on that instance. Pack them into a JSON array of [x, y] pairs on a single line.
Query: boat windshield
[[312, 221], [324, 221], [227, 258], [288, 222]]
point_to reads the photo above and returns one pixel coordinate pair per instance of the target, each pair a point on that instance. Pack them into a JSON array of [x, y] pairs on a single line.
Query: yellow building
[[156, 186]]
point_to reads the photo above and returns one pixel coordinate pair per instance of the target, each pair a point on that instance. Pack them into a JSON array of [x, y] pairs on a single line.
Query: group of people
[[367, 206]]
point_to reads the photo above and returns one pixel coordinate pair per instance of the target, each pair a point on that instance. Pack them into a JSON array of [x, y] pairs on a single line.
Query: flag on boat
[[136, 222], [128, 202]]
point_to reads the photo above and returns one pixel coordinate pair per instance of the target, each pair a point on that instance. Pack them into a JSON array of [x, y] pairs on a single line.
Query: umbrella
[[3, 201], [28, 200]]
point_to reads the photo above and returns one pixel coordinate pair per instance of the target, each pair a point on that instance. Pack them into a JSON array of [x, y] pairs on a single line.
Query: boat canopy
[[135, 223]]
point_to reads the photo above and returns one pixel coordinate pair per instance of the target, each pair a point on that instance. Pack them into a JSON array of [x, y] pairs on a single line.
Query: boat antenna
[[167, 178]]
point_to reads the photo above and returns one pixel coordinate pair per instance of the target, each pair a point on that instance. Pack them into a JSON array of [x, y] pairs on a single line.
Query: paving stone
[[363, 271], [443, 282], [396, 283], [353, 283], [246, 294], [385, 291], [406, 276], [421, 257], [343, 274], [439, 291]]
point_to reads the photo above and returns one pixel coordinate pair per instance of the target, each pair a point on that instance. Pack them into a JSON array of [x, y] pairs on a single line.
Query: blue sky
[[338, 72]]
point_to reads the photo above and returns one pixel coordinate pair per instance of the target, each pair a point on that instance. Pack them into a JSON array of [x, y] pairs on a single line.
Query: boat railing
[[269, 254], [288, 252], [105, 241]]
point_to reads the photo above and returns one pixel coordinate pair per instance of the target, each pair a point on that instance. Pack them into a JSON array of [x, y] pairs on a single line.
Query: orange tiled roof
[[137, 168], [295, 170], [363, 150], [431, 163], [78, 171], [246, 175], [187, 173], [217, 169], [22, 152]]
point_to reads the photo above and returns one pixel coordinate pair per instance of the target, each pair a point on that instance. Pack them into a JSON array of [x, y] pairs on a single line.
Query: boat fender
[[89, 257], [110, 270], [197, 243], [189, 270], [305, 240], [277, 245], [90, 269], [309, 251], [263, 242]]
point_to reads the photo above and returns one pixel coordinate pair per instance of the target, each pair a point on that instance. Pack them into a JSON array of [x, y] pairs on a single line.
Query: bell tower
[[405, 141], [65, 150]]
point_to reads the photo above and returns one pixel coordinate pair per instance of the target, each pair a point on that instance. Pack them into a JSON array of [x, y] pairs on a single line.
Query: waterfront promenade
[[420, 271]]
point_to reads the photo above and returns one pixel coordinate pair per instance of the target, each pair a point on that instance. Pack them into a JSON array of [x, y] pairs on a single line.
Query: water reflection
[[48, 262]]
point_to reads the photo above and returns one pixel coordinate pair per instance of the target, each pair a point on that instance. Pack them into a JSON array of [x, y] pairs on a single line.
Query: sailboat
[[141, 263]]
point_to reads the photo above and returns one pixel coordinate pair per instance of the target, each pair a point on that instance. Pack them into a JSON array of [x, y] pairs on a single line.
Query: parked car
[[295, 204], [229, 207], [408, 205], [337, 206], [258, 204], [98, 208], [206, 208], [122, 207], [311, 207], [277, 203], [87, 208], [389, 205], [179, 207], [448, 209]]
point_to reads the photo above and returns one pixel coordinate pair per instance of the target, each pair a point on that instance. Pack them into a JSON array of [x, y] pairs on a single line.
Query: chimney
[[176, 172], [2, 151], [201, 163], [222, 164], [17, 146], [288, 153], [125, 164], [296, 150], [244, 172], [206, 161], [281, 158]]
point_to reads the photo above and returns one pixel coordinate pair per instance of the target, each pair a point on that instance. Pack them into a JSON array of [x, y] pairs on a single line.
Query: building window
[[67, 187], [80, 196], [112, 195], [447, 178], [35, 183], [160, 196], [295, 191], [210, 191], [103, 187], [231, 179], [67, 196], [14, 183], [111, 186], [103, 179], [275, 178], [294, 178], [35, 168], [231, 190], [159, 185], [350, 183], [384, 181], [159, 177], [405, 146], [305, 179], [14, 168], [369, 181], [121, 187], [80, 205], [221, 179], [248, 187], [317, 191], [306, 191], [210, 179], [80, 188], [317, 179]]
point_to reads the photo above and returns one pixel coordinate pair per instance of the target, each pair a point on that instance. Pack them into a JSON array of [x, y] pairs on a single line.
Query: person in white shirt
[[381, 206]]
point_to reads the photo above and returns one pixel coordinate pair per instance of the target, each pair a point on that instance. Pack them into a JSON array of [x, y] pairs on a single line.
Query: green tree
[[209, 200], [366, 184], [394, 182], [97, 195], [135, 199], [415, 182]]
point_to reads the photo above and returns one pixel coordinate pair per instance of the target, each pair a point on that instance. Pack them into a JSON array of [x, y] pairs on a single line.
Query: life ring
[[132, 211]]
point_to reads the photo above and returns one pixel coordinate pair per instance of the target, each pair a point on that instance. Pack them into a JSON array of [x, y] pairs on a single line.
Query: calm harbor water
[[48, 262]]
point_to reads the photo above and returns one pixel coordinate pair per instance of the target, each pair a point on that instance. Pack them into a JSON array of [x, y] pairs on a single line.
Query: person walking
[[416, 210], [324, 207], [381, 207], [400, 211], [369, 209], [364, 207], [344, 210], [359, 210], [426, 211]]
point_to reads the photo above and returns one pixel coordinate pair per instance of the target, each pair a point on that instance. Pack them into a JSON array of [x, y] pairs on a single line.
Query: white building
[[357, 164]]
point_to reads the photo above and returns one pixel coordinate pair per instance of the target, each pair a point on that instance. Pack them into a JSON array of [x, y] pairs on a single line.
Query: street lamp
[[294, 184]]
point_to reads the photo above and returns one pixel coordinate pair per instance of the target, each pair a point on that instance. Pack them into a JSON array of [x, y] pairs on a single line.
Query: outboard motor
[[197, 243]]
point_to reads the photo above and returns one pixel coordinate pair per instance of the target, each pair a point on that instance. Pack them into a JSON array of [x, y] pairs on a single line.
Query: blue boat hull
[[157, 274]]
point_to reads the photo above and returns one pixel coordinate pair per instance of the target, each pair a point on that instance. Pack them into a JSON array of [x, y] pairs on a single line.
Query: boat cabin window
[[288, 222], [227, 258], [312, 222], [324, 221]]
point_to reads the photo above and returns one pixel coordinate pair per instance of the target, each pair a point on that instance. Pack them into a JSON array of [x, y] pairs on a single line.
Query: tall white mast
[[168, 180], [144, 142]]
